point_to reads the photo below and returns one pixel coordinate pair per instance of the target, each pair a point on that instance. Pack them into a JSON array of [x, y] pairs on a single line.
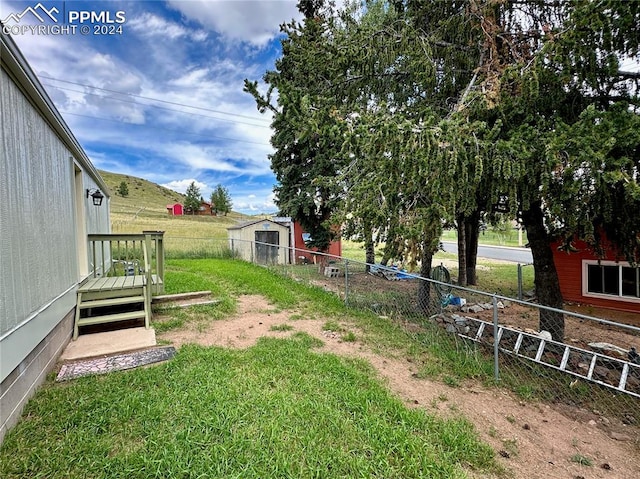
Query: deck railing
[[129, 255]]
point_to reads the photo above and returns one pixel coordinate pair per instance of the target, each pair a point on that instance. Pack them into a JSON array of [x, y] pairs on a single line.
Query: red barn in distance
[[205, 209], [175, 210]]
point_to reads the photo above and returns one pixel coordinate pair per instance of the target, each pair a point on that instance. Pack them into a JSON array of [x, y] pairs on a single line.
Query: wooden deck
[[112, 283], [124, 294]]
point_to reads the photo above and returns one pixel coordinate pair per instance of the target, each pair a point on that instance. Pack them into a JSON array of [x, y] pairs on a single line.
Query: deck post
[[158, 239]]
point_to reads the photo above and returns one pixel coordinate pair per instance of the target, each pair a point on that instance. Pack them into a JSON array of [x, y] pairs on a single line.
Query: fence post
[[346, 281], [496, 349], [519, 281]]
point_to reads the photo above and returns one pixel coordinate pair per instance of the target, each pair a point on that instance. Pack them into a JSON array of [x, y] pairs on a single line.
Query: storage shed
[[260, 241], [175, 209]]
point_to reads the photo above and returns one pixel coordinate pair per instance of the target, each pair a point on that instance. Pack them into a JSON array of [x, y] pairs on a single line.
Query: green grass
[[450, 358], [492, 237], [278, 409], [236, 277], [281, 327], [582, 460]]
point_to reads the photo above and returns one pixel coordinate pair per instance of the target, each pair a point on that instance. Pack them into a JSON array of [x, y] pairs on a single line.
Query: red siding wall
[[175, 210], [335, 248], [569, 267]]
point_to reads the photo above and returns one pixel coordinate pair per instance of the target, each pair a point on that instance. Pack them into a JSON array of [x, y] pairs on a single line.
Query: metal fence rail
[[594, 362]]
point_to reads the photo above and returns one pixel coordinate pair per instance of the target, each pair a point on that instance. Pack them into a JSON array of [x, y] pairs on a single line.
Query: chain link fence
[[540, 353]]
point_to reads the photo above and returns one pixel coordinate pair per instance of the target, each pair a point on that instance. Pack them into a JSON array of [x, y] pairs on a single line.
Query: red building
[[205, 209], [299, 238], [175, 209], [604, 282]]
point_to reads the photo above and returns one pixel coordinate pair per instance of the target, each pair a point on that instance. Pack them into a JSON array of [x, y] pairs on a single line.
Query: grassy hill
[[145, 209]]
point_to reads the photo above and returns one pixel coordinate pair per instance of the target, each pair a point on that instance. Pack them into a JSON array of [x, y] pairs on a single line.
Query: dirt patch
[[532, 440]]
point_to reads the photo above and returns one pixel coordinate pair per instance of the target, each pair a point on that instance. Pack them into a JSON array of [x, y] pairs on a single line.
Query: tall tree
[[221, 200], [540, 68], [192, 198], [304, 134]]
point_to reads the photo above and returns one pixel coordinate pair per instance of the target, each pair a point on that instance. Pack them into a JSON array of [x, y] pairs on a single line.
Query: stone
[[618, 436], [600, 372], [462, 329], [610, 348], [546, 335]]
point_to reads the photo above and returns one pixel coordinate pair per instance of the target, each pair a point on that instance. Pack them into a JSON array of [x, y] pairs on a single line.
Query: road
[[516, 255]]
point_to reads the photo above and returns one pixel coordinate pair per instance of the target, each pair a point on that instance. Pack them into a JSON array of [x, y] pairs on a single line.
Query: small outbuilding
[[175, 210], [261, 241]]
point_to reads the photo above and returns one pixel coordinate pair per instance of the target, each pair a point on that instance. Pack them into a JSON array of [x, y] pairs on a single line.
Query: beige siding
[[38, 241], [242, 240], [36, 211]]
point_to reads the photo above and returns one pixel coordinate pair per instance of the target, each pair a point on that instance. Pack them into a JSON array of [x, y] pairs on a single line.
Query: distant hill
[[145, 208], [142, 193]]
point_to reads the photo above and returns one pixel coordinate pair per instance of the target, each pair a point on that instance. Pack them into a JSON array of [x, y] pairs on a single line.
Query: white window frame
[[619, 296]]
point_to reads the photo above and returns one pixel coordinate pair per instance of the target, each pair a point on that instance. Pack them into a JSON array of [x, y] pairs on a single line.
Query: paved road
[[517, 255]]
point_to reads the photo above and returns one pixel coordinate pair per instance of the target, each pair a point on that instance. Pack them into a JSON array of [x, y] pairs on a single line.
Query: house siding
[[21, 384], [570, 268], [44, 219]]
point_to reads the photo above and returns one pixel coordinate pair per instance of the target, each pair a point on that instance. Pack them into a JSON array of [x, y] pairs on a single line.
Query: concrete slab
[[109, 342]]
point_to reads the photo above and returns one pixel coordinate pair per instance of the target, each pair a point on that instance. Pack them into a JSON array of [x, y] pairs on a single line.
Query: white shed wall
[[242, 240]]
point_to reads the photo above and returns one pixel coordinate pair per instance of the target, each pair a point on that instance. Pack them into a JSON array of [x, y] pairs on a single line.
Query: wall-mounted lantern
[[96, 195]]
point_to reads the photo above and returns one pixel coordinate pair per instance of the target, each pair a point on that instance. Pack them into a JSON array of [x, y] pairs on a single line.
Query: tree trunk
[[546, 276], [472, 233], [461, 225], [369, 248]]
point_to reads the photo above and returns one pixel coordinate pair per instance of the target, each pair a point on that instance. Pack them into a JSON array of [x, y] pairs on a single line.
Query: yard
[[279, 379]]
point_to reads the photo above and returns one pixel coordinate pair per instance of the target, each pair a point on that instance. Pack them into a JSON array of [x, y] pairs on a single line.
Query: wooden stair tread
[[98, 303], [108, 318]]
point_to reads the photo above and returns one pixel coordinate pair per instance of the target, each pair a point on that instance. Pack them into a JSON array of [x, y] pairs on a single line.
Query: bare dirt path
[[533, 441]]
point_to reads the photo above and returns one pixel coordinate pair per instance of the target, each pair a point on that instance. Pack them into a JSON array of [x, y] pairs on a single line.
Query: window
[[611, 279]]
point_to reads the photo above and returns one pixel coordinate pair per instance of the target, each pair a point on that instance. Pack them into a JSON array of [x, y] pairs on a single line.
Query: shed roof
[[246, 224]]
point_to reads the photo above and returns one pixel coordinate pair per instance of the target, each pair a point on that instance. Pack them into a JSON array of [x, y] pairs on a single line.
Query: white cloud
[[148, 24], [261, 202], [181, 185], [252, 21]]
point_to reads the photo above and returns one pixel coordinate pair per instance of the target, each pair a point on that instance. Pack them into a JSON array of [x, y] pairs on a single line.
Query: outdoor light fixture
[[96, 195]]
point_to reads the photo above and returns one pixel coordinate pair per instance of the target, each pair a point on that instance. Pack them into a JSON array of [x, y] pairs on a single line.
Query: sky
[[153, 89]]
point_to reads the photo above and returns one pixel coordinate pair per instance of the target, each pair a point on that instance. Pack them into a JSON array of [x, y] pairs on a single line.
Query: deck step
[[99, 303], [108, 318]]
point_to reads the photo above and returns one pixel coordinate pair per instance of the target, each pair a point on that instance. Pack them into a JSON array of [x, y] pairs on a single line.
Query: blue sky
[[163, 100]]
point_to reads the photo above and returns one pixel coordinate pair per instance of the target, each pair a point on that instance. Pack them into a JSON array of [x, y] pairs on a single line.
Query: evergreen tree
[[410, 114], [123, 189], [221, 200], [305, 136], [192, 199]]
